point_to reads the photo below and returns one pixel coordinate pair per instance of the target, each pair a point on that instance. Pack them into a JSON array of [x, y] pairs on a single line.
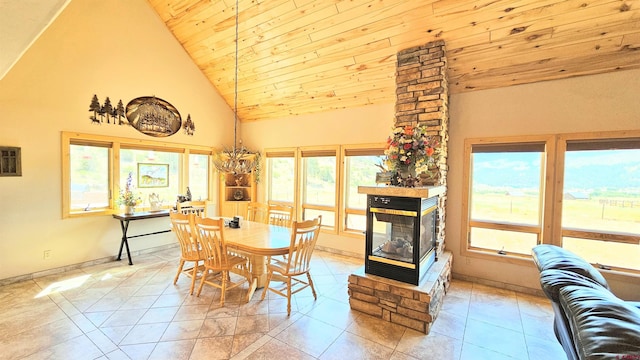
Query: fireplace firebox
[[400, 237]]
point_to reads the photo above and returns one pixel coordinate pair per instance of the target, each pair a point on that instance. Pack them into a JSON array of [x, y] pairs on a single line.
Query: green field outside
[[594, 214]]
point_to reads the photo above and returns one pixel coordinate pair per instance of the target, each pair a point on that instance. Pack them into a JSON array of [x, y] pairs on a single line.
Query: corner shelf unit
[[235, 194]]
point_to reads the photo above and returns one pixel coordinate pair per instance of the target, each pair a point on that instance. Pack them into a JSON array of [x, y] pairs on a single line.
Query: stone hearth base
[[415, 307]]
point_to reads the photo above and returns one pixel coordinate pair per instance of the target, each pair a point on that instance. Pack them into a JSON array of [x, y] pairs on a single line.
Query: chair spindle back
[[280, 215], [304, 235], [210, 233]]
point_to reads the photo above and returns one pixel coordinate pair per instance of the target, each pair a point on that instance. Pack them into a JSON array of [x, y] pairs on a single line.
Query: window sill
[[97, 212], [523, 260]]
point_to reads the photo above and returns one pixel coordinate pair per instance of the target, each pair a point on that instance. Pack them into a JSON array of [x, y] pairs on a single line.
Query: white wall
[[368, 124], [115, 48]]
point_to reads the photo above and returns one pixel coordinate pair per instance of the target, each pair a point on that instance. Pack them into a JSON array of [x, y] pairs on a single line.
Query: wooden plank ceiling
[[304, 56]]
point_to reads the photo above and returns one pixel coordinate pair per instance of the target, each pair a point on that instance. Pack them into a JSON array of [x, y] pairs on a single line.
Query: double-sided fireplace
[[400, 237]]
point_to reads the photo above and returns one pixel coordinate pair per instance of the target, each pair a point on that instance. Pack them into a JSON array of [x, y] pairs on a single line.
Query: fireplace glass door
[[400, 234], [392, 235]]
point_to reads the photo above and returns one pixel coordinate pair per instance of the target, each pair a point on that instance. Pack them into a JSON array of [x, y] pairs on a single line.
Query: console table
[[124, 225]]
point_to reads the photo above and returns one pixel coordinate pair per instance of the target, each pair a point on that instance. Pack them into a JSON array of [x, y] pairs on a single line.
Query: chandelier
[[236, 160]]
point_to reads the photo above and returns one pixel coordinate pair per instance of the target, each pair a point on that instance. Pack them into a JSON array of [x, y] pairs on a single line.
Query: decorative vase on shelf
[[239, 178], [406, 177], [407, 172], [129, 210]]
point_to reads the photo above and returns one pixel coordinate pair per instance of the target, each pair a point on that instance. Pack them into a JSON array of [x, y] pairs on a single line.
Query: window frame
[[114, 144], [552, 190], [319, 151], [281, 153], [563, 141], [375, 149], [542, 230], [340, 210]]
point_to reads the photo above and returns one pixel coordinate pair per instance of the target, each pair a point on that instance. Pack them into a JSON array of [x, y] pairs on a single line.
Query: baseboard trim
[[62, 269], [340, 252], [498, 284]]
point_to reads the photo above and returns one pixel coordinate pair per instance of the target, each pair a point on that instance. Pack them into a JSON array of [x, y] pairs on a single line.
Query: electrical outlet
[[46, 255]]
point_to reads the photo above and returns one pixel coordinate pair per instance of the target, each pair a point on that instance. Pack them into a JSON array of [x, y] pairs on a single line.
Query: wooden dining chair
[[258, 212], [192, 207], [218, 262], [304, 235], [190, 250], [280, 215]]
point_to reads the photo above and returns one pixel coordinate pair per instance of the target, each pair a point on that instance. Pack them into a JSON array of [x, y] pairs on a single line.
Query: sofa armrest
[[553, 280], [603, 326], [548, 257]]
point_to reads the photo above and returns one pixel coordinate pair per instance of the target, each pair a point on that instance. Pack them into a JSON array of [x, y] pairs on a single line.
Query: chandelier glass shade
[[236, 160]]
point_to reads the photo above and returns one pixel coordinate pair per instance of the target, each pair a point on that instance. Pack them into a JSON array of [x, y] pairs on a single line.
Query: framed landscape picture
[[153, 175]]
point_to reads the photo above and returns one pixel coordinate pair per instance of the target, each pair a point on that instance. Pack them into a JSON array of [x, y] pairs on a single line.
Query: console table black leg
[[124, 225]]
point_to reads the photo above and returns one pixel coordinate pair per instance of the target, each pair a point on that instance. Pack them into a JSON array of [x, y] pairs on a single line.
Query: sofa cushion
[[554, 257], [603, 326], [553, 280]]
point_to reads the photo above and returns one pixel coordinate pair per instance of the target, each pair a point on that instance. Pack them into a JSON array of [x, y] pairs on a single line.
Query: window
[[319, 172], [359, 170], [199, 176], [281, 171], [578, 191], [601, 201], [92, 177], [326, 183], [505, 196], [89, 177]]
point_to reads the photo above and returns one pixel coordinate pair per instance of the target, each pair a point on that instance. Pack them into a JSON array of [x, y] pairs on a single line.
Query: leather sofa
[[590, 321]]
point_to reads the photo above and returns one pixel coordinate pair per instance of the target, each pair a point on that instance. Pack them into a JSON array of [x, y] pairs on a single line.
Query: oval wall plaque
[[153, 116]]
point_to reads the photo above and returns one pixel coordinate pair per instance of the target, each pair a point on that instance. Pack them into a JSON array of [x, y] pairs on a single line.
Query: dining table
[[258, 241]]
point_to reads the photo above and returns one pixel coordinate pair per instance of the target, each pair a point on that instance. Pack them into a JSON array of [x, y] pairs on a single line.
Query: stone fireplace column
[[422, 98]]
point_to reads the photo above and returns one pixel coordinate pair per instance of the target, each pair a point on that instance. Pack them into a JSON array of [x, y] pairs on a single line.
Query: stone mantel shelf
[[416, 192]]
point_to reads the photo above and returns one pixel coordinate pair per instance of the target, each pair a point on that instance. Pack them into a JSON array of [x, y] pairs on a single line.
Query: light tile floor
[[117, 311]]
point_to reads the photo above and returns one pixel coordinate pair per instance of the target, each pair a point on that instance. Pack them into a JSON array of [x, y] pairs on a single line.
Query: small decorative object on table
[[155, 202], [186, 197], [127, 197], [410, 153], [384, 177], [235, 223]]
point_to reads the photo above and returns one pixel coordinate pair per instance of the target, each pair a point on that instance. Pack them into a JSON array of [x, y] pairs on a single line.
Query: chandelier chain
[[235, 89], [237, 160]]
